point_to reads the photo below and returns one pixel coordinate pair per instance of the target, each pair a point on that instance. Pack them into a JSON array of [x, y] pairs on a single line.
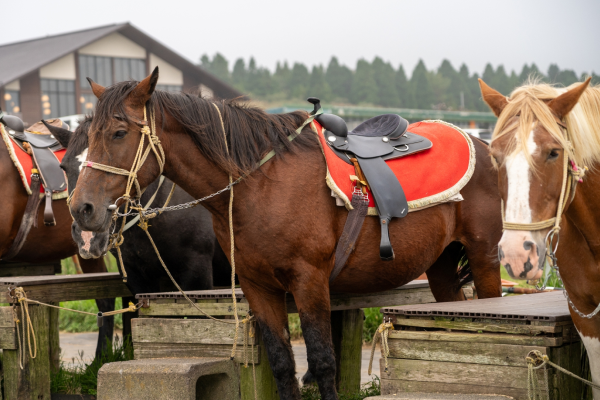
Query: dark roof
[[19, 59]]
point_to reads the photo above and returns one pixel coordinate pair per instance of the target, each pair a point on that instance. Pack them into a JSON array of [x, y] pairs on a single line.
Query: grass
[[373, 318], [82, 378], [373, 388], [75, 322]]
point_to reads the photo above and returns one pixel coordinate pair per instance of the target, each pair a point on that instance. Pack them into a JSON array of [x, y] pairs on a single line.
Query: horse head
[[529, 148], [91, 244], [122, 112]]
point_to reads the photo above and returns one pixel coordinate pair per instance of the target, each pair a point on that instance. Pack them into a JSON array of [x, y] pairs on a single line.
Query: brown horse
[[44, 243], [285, 222], [543, 135]]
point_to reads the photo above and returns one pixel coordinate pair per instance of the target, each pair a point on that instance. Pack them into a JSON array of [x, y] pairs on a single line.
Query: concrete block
[[170, 379], [439, 396]]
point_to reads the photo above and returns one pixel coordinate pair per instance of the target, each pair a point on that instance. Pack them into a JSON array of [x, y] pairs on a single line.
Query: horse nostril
[[527, 245], [87, 209]]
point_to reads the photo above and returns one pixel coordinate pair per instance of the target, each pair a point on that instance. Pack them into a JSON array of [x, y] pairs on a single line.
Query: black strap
[[352, 228]]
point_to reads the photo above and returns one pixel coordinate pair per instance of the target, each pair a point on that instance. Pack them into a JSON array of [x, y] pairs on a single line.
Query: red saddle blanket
[[430, 177], [24, 164]]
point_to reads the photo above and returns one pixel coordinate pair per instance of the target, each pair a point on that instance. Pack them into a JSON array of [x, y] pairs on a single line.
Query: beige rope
[[381, 333], [536, 360]]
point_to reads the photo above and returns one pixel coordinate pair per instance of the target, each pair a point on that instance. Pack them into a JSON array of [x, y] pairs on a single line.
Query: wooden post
[[346, 331], [266, 387], [33, 381], [53, 338]]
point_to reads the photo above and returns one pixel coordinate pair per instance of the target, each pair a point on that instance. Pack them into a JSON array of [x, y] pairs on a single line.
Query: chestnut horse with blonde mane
[[286, 223], [544, 140]]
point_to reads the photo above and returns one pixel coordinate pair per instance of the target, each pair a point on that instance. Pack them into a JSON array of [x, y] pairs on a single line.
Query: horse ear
[[142, 92], [494, 99], [97, 89], [564, 103], [62, 135]]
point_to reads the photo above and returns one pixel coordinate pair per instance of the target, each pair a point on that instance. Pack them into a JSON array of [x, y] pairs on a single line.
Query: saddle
[[371, 144], [38, 142]]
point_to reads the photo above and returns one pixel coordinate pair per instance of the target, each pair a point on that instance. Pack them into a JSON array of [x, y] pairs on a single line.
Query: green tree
[[299, 81], [385, 76], [339, 77], [452, 96], [238, 75], [553, 72], [567, 77], [218, 66], [364, 86], [318, 84], [421, 87], [403, 89], [281, 77]]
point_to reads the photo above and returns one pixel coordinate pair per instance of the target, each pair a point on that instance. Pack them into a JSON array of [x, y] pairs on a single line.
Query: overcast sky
[[508, 32]]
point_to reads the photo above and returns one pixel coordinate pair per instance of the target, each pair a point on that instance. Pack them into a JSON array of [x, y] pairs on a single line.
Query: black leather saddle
[[43, 146], [373, 142]]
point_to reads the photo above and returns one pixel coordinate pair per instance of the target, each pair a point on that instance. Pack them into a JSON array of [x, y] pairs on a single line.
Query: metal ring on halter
[[550, 236], [405, 145]]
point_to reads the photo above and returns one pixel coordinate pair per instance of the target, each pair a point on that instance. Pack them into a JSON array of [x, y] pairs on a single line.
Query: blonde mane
[[583, 122]]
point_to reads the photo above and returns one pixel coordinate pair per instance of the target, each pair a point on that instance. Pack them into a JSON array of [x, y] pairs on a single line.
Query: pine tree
[[238, 75], [553, 72], [281, 78], [451, 97], [384, 76], [421, 88], [501, 81], [339, 77], [318, 84], [218, 66], [299, 81], [404, 94], [524, 75], [364, 86]]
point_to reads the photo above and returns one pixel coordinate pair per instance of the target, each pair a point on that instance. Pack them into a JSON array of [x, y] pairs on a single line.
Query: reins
[[571, 176]]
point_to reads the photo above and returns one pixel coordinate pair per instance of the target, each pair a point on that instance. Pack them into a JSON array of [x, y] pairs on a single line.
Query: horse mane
[[79, 138], [583, 122], [251, 132]]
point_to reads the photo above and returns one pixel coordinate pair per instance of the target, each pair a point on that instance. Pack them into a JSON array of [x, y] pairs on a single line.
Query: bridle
[[572, 174]]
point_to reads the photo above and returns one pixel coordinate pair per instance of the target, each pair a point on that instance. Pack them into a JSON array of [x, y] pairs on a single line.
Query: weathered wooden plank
[[12, 270], [346, 330], [142, 350], [462, 352], [33, 381], [354, 301], [54, 279], [185, 309], [8, 338], [568, 357], [499, 338], [53, 338], [72, 291], [455, 372], [265, 385], [491, 326], [394, 386], [201, 331], [7, 319]]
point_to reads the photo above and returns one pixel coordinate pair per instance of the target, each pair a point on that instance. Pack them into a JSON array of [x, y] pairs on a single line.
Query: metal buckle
[[403, 150]]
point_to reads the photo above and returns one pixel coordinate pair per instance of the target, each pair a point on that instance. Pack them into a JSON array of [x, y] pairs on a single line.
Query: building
[[46, 77]]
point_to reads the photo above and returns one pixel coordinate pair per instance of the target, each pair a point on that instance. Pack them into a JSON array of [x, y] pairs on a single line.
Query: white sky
[[508, 32]]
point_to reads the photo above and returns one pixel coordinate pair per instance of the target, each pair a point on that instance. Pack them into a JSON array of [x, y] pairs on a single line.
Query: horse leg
[[444, 280], [315, 318], [106, 331], [269, 309], [484, 264]]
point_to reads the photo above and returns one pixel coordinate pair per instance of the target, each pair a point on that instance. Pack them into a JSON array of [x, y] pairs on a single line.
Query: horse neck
[[584, 211]]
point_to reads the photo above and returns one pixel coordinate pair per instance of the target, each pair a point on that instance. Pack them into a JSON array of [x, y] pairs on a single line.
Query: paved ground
[[72, 344]]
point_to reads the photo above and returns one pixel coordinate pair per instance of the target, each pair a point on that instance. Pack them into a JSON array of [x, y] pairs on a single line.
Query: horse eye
[[553, 155], [120, 134]]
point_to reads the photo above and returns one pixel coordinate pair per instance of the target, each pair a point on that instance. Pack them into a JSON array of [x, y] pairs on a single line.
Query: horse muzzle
[[90, 244], [521, 254]]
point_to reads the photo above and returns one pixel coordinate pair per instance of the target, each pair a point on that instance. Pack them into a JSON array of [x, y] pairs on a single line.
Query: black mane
[[251, 132]]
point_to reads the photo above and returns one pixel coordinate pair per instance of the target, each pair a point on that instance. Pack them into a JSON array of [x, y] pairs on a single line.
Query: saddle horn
[[12, 122]]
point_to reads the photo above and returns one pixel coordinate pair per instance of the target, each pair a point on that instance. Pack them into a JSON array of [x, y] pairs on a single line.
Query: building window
[[12, 99], [129, 69], [88, 103], [99, 69], [58, 97], [169, 88]]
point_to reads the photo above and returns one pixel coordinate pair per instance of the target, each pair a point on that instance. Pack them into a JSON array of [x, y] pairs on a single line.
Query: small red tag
[[89, 164]]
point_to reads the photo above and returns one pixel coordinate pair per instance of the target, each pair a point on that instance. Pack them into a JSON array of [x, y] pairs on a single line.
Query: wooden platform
[[33, 381], [162, 332], [480, 346]]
